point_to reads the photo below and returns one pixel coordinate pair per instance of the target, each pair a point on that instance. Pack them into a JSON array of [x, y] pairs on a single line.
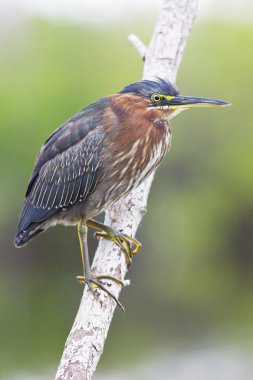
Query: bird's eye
[[156, 98]]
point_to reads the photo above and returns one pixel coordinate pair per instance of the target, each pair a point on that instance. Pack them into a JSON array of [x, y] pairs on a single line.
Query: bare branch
[[166, 47], [85, 342], [138, 45]]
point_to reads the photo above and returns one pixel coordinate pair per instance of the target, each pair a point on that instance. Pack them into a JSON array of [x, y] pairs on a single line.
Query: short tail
[[23, 237], [30, 223]]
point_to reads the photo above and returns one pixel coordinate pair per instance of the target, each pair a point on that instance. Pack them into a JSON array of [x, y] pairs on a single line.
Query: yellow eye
[[156, 98]]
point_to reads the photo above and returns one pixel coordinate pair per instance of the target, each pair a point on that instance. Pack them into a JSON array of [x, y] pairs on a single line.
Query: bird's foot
[[94, 282], [129, 245]]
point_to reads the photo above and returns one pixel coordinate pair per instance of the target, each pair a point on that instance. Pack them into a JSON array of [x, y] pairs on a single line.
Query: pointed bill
[[190, 102]]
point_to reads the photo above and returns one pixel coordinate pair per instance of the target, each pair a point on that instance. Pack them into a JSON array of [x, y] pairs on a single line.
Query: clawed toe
[[96, 282], [130, 246], [126, 243], [132, 242]]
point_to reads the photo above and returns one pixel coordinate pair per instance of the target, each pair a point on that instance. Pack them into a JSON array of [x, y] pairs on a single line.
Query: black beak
[[189, 102]]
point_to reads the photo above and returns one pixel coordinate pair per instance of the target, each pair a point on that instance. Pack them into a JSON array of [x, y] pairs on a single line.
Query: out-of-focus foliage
[[193, 280]]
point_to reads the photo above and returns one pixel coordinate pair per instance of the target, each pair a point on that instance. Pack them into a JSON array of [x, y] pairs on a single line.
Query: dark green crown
[[146, 88]]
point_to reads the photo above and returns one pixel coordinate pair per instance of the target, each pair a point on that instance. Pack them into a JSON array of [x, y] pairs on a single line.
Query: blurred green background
[[192, 285]]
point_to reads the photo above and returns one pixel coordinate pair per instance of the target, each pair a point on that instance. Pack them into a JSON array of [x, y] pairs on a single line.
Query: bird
[[97, 158]]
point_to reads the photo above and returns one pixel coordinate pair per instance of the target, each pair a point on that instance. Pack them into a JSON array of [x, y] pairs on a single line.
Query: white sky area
[[108, 11]]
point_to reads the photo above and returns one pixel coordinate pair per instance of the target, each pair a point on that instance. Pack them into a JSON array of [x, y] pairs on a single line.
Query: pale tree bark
[[85, 342]]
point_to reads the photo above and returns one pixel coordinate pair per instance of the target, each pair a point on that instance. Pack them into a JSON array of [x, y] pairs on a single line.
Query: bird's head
[[163, 96]]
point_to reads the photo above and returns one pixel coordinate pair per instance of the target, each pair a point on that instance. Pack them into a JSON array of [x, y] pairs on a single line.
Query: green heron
[[96, 158]]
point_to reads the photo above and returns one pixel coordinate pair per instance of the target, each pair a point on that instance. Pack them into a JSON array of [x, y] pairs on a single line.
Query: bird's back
[[66, 171]]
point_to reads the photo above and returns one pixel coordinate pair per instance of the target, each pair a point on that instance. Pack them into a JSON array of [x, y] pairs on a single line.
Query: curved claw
[[116, 239], [95, 282], [134, 241], [101, 286], [110, 278], [122, 240]]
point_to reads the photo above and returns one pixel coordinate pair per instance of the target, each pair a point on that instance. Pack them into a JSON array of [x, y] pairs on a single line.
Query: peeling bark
[[85, 342]]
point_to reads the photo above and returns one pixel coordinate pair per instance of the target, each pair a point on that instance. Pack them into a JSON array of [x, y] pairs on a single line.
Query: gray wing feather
[[71, 176]]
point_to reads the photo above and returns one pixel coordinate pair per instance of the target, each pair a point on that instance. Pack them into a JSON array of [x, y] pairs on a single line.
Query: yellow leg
[[122, 240], [88, 278], [82, 231]]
